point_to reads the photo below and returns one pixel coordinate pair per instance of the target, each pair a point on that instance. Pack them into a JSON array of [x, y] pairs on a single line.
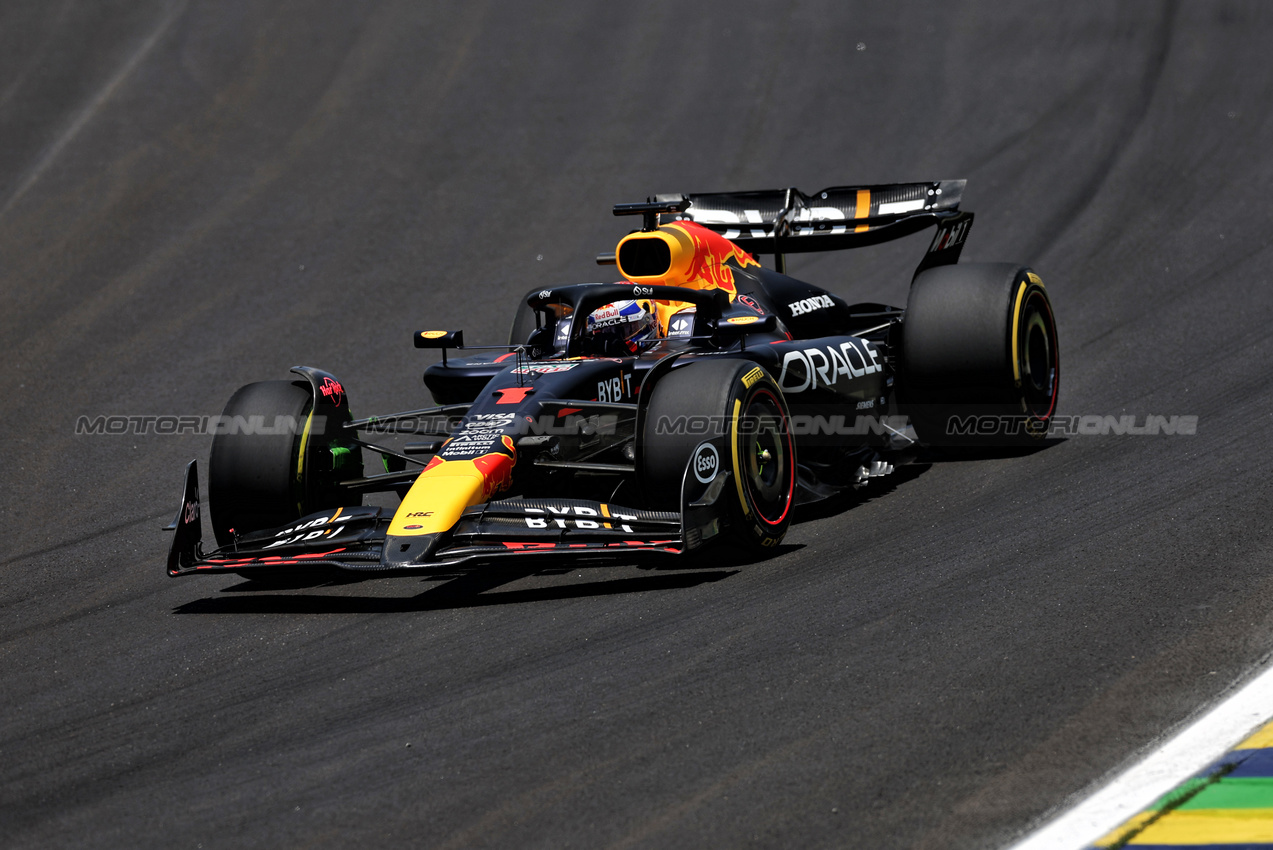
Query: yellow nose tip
[[437, 498]]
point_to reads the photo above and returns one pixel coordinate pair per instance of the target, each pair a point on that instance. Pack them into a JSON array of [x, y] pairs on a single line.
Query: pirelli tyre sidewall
[[980, 345], [273, 460], [253, 477], [749, 427]]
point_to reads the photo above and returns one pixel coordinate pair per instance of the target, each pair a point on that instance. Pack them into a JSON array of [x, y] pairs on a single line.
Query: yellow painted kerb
[[1261, 739], [1215, 826], [1129, 828]]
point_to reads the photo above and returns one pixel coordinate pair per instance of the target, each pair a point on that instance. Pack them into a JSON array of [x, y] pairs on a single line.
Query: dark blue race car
[[699, 400]]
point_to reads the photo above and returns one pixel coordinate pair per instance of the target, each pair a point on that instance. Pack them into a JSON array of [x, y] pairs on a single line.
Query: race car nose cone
[[406, 551]]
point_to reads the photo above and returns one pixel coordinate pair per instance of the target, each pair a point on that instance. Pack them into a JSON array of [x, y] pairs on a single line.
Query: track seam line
[[86, 114]]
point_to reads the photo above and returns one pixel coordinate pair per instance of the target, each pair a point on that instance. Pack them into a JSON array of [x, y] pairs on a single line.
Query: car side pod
[[187, 538]]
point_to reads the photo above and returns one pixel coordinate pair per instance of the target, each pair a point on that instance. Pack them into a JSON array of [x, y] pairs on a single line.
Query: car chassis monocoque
[[763, 393]]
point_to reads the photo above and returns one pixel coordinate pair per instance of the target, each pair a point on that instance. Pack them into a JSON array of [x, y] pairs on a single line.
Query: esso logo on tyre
[[706, 463]]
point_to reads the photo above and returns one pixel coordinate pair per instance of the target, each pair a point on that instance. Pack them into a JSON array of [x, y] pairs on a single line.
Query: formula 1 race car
[[699, 400]]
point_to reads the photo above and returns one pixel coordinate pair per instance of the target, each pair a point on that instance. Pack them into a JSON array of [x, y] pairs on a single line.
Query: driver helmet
[[621, 328]]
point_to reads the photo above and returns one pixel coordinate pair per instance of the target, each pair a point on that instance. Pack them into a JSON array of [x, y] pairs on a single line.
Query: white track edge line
[[1134, 790]]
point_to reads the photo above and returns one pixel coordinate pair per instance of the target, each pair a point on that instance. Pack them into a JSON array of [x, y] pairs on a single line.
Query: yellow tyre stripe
[[1016, 319], [300, 459], [738, 476]]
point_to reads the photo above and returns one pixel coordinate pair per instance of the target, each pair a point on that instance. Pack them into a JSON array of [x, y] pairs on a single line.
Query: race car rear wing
[[788, 221]]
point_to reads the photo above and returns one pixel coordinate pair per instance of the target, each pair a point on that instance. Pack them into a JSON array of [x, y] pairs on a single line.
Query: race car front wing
[[353, 538]]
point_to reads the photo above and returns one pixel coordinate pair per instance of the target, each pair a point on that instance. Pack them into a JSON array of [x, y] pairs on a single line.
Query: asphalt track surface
[[198, 195]]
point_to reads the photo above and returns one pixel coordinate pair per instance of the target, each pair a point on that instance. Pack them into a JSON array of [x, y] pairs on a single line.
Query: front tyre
[[270, 464], [738, 407]]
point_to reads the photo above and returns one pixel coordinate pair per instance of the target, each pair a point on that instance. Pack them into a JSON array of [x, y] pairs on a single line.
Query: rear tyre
[[268, 466], [741, 410], [981, 358]]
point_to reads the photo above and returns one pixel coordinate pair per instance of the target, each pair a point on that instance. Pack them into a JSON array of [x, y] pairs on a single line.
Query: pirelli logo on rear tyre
[[752, 377]]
